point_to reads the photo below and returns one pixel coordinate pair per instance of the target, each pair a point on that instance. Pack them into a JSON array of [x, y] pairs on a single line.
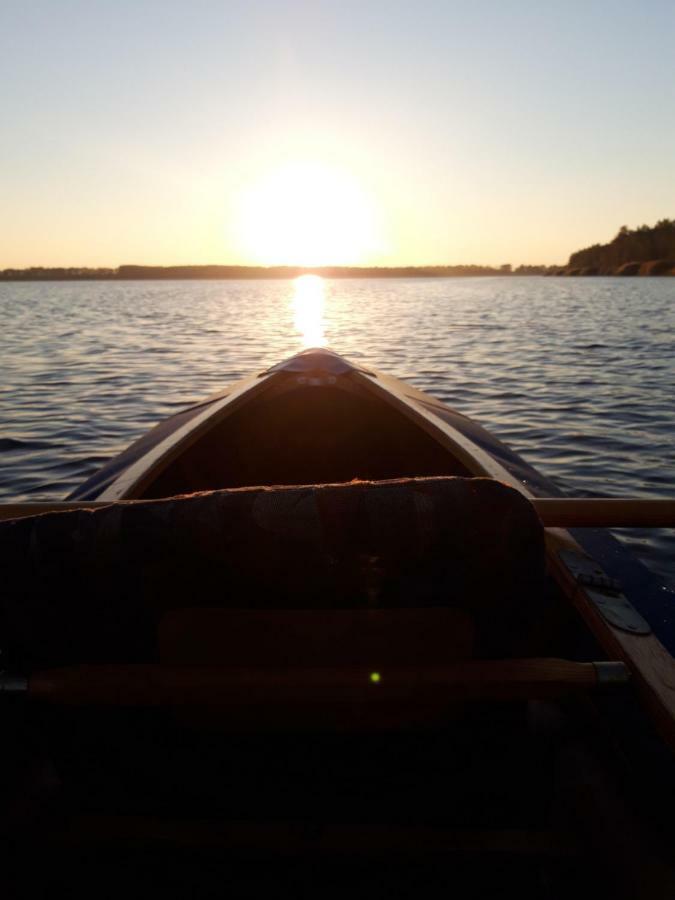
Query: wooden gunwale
[[133, 480]]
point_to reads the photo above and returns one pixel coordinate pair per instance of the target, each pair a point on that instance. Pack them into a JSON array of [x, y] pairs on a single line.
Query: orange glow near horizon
[[308, 214], [308, 305]]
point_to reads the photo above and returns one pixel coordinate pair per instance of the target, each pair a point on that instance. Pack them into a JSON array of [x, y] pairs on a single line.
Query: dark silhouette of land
[[639, 251], [133, 273]]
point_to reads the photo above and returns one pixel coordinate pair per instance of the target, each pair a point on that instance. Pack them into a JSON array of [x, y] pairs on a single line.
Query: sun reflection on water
[[308, 304]]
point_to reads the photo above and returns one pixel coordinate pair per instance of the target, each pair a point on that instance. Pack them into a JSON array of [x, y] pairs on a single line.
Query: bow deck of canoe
[[321, 632]]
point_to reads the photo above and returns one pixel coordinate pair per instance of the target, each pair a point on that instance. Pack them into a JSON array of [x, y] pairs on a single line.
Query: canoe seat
[[98, 586]]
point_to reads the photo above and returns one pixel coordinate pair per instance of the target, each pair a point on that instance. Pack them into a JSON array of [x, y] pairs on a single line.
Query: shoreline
[[649, 269]]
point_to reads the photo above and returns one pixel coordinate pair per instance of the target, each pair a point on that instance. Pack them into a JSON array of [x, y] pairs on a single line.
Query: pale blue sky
[[483, 132]]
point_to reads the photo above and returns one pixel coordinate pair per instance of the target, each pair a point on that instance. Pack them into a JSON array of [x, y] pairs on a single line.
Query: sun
[[308, 214]]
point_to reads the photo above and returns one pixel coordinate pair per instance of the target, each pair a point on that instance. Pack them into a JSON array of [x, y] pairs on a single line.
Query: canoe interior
[[526, 798], [300, 434]]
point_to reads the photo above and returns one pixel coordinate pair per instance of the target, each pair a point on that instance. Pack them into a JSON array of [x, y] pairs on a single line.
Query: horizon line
[[134, 270]]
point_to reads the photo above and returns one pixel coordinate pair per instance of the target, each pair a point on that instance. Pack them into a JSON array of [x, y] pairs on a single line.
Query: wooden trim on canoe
[[404, 398], [132, 481], [601, 512]]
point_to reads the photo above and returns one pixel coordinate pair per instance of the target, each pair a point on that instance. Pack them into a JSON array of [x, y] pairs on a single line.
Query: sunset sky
[[379, 133]]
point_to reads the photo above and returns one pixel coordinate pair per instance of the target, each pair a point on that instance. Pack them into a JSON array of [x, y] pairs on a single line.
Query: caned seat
[[155, 580]]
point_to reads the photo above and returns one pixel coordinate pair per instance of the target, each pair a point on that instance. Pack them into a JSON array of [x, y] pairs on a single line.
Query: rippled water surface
[[576, 374]]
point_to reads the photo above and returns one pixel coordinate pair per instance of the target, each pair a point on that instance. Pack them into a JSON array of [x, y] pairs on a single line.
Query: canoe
[[323, 616]]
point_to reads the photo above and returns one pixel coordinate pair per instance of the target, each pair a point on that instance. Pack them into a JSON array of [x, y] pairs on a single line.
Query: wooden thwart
[[157, 685], [601, 512], [554, 512]]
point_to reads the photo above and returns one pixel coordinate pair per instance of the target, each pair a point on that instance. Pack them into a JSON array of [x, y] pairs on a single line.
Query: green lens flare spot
[[375, 677]]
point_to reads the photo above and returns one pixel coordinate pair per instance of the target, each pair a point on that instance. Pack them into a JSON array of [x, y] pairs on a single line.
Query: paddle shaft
[[167, 685], [554, 512]]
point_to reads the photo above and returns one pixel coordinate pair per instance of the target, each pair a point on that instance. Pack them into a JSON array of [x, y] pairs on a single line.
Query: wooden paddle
[[554, 512]]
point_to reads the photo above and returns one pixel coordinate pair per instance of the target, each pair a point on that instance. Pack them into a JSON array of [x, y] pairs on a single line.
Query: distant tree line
[[536, 270], [630, 248], [130, 273], [41, 273], [294, 271], [638, 251]]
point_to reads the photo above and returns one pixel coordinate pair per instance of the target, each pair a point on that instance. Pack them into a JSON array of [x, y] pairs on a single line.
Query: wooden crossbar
[[158, 685], [601, 512]]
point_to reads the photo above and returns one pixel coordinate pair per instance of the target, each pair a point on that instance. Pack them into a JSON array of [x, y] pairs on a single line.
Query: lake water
[[578, 375]]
